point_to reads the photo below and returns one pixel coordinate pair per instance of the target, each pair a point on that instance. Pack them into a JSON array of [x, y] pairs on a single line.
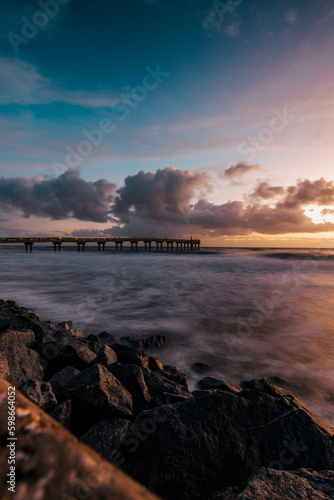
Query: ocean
[[248, 313]]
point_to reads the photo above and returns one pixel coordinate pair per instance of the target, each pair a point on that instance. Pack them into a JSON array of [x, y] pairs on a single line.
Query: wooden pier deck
[[169, 243]]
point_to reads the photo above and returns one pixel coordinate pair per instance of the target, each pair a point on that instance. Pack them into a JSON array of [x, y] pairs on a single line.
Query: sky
[[168, 118]]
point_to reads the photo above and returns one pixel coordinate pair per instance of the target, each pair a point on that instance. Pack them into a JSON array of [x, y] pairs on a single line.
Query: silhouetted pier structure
[[170, 243]]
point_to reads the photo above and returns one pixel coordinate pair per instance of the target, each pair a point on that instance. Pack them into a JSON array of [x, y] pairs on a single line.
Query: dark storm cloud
[[61, 198], [163, 195], [240, 169]]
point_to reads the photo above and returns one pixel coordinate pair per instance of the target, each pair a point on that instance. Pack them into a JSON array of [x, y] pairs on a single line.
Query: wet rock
[[175, 374], [129, 356], [270, 484], [19, 363], [201, 368], [63, 413], [160, 387], [63, 378], [107, 338], [105, 437], [154, 364], [23, 337], [52, 464], [39, 393], [146, 342], [105, 356], [231, 436], [132, 378], [213, 383], [96, 393], [28, 321]]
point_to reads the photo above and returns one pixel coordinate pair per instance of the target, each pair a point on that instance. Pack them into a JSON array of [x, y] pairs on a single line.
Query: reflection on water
[[247, 313]]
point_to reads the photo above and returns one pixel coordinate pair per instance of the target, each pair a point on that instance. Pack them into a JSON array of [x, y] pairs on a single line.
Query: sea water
[[248, 313]]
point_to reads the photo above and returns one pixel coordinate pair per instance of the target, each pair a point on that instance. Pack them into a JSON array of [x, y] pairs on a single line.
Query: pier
[[147, 244]]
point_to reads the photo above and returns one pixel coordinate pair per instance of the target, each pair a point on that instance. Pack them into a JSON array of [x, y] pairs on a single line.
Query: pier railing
[[179, 244]]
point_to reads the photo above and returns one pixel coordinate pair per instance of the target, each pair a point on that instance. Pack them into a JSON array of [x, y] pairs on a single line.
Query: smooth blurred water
[[248, 313]]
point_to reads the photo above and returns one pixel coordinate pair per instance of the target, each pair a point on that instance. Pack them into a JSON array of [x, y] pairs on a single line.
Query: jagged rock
[[67, 351], [270, 484], [62, 378], [219, 440], [65, 325], [200, 394], [107, 338], [213, 383], [105, 437], [63, 413], [105, 356], [8, 309], [175, 374], [93, 342], [132, 378], [27, 321], [96, 393], [147, 342], [201, 368], [39, 393], [23, 337], [160, 387], [52, 464], [129, 356], [76, 332], [19, 363]]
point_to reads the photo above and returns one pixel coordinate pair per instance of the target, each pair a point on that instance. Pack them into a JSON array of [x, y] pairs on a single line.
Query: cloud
[[265, 191], [66, 196], [240, 169], [158, 196], [22, 83], [320, 192], [327, 211]]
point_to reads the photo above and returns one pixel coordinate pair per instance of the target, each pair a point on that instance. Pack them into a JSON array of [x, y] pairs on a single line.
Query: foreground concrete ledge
[[52, 464]]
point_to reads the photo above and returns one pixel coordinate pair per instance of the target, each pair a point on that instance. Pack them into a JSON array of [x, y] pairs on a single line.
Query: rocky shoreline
[[218, 442]]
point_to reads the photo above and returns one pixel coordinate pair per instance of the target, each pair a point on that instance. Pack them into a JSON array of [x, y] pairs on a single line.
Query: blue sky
[[204, 86]]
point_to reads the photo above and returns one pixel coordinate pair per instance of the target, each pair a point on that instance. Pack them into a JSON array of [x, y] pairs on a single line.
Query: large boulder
[[23, 337], [270, 484], [130, 356], [107, 338], [175, 374], [39, 393], [96, 393], [62, 378], [161, 388], [105, 436], [26, 321], [105, 356], [146, 342], [19, 363], [219, 440], [214, 383], [52, 464], [66, 351], [63, 413], [132, 378]]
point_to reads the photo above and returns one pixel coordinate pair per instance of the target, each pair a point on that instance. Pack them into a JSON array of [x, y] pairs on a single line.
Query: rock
[[52, 464], [65, 325], [62, 378], [129, 356], [96, 393], [201, 368], [19, 363], [147, 342], [105, 356], [231, 436], [23, 337], [67, 351], [93, 338], [160, 388], [8, 309], [76, 332], [63, 413], [175, 374], [27, 321], [270, 484], [107, 338], [39, 393], [93, 345], [213, 383], [105, 437], [132, 378]]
